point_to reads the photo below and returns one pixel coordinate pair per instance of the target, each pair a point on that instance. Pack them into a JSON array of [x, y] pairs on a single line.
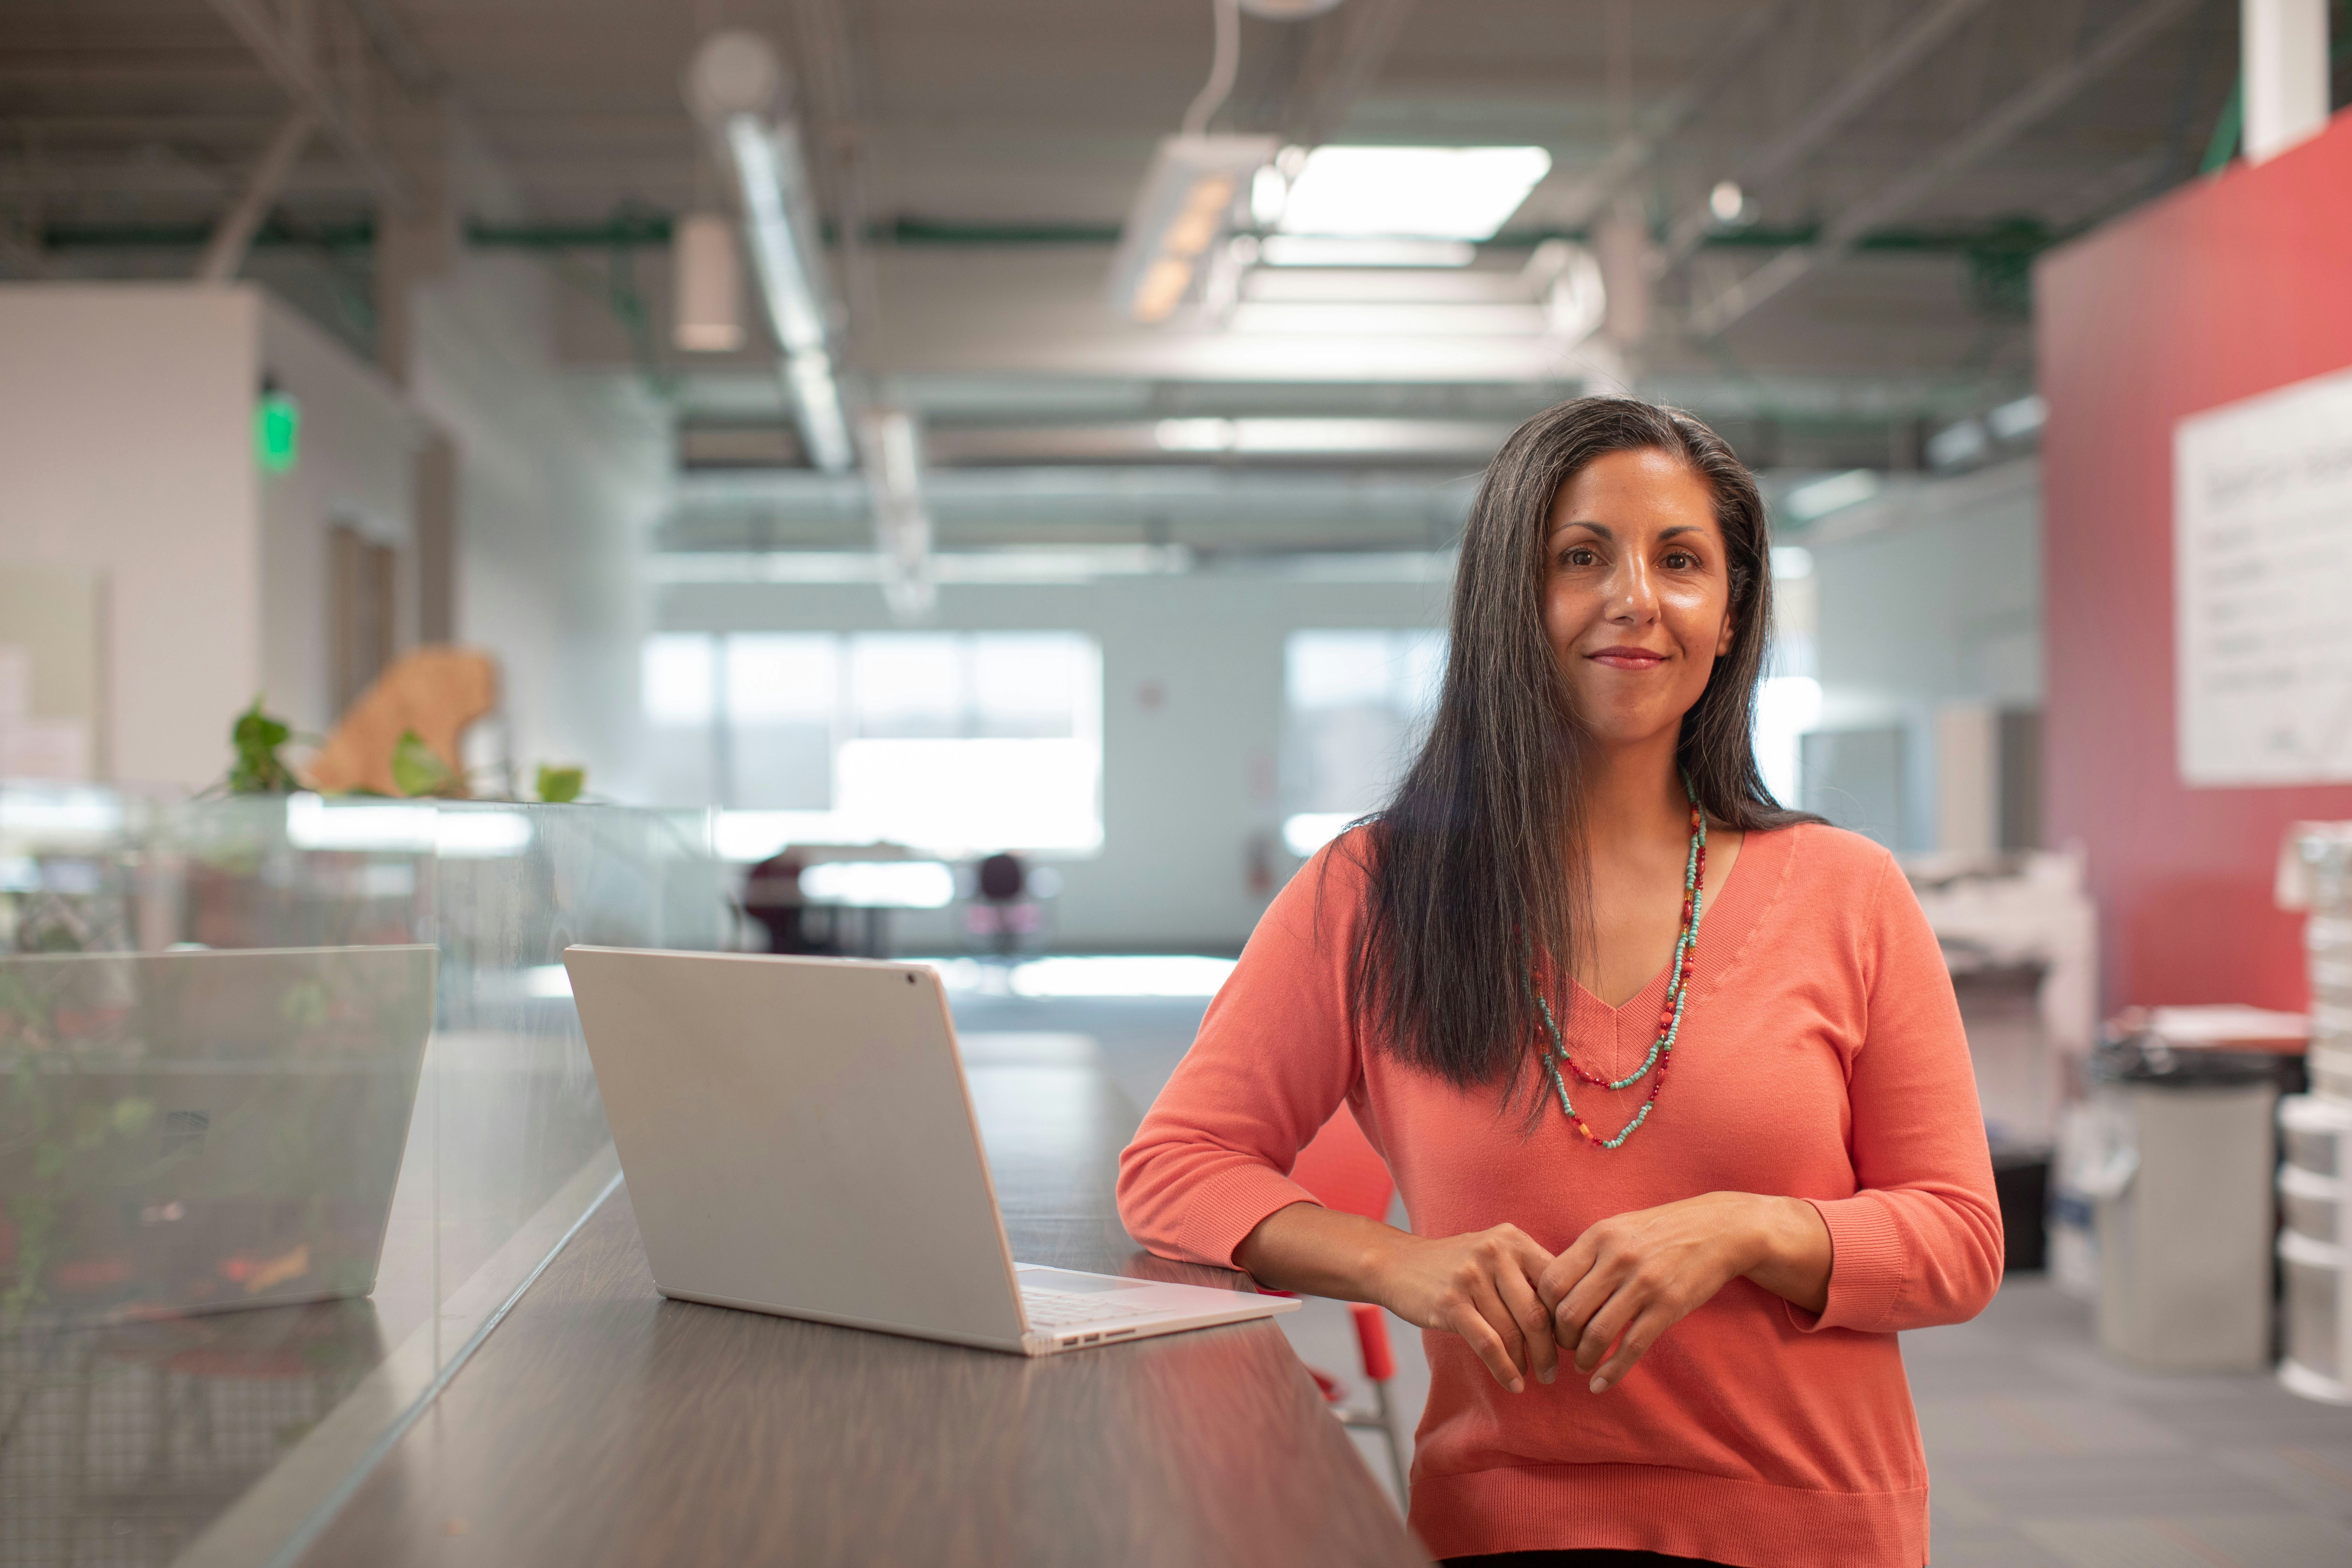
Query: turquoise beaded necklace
[[1554, 1051]]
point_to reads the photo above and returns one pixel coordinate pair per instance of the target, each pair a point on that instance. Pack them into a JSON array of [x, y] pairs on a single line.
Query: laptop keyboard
[[1060, 1308]]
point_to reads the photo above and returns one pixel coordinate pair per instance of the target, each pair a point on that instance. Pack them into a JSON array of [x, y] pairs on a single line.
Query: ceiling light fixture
[[736, 88], [1809, 503], [1185, 205], [902, 524], [1432, 193], [1727, 201]]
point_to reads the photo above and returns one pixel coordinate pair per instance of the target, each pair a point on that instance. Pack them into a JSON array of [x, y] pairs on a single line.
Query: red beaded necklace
[[1554, 1052]]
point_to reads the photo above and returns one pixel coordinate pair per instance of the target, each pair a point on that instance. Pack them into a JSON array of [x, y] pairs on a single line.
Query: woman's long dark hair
[[1478, 862]]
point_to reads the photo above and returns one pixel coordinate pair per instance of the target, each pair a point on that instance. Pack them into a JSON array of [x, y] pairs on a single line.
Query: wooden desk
[[600, 1423]]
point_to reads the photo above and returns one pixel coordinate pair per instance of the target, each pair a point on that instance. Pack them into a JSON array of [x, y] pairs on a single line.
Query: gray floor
[[2044, 1454]]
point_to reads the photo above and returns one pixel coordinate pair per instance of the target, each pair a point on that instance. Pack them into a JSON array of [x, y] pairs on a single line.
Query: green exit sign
[[276, 432]]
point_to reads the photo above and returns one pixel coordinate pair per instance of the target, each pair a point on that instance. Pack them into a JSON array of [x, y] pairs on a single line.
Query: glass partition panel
[[293, 1099]]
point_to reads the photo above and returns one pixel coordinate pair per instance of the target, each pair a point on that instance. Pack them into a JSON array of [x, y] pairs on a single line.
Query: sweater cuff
[[1220, 1213], [1865, 1267]]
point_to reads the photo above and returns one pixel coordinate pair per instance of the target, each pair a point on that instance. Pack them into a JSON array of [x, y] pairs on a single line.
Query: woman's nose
[[1631, 595]]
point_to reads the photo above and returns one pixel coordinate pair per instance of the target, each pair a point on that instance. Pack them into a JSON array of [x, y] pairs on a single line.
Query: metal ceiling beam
[[2022, 108], [1872, 76], [1665, 119], [298, 77], [233, 235]]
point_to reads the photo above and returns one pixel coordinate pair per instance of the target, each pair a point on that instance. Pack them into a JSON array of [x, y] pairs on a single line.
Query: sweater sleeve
[[1275, 1054], [1919, 1242]]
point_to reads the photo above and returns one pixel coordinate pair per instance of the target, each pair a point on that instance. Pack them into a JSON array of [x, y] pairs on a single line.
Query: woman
[[1659, 1319]]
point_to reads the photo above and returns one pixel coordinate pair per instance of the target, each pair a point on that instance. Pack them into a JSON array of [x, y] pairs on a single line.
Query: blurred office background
[[979, 482]]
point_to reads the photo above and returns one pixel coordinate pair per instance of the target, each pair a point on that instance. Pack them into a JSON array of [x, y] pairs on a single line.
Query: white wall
[[355, 466], [126, 447], [560, 483], [1186, 784], [1931, 596]]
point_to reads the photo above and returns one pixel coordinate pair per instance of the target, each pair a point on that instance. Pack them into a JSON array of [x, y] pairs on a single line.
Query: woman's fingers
[[1637, 1339], [1607, 1322], [1534, 1323], [1587, 1296], [1466, 1321]]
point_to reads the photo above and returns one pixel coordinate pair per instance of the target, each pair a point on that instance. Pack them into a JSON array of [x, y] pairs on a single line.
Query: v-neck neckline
[[1725, 921]]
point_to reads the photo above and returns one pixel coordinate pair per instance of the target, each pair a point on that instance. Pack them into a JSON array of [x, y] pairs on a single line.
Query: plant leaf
[[558, 786], [418, 770]]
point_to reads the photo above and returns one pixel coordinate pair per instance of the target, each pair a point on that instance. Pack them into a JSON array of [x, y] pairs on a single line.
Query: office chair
[[1345, 1174]]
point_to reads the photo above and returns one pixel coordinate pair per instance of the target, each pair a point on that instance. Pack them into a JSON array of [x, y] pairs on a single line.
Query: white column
[[2284, 53]]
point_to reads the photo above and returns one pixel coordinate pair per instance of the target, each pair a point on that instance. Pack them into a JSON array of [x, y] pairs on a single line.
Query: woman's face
[[1636, 593]]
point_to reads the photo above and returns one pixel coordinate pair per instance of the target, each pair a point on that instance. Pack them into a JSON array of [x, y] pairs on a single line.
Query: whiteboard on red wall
[[2262, 506]]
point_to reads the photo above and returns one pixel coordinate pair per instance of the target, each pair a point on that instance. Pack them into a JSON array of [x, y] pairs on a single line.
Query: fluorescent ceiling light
[[1835, 493], [1184, 204], [2022, 417], [1436, 193], [1326, 250], [1956, 444], [780, 227]]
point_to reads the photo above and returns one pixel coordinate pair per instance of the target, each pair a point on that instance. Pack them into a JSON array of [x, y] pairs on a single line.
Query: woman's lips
[[1628, 658]]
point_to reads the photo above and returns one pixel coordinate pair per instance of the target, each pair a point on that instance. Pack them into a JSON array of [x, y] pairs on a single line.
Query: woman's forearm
[[1790, 1245], [1318, 1252]]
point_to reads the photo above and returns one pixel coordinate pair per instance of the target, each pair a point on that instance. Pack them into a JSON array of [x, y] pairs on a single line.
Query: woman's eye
[[1681, 560], [1579, 556]]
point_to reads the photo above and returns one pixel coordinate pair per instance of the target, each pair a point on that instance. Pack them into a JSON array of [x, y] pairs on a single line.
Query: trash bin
[[2183, 1202]]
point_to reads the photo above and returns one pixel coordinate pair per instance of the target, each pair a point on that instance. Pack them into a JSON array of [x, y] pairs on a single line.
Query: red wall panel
[[2229, 288]]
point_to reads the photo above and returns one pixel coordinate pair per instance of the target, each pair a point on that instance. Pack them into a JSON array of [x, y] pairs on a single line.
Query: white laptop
[[798, 1139]]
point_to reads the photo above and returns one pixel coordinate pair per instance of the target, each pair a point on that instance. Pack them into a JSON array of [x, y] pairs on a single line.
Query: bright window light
[[678, 678], [1835, 493], [772, 678], [1304, 832], [968, 796], [462, 834], [881, 884], [1786, 707], [1436, 193], [1791, 563], [311, 823], [1151, 976], [546, 981]]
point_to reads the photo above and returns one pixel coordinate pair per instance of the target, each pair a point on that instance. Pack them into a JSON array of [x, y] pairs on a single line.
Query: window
[[1355, 705], [957, 742]]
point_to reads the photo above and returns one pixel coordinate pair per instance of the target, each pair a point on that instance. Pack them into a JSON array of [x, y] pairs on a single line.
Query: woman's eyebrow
[[1600, 528]]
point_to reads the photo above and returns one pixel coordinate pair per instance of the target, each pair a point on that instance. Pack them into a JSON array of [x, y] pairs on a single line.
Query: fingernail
[[1547, 1374], [1600, 1385], [1518, 1386]]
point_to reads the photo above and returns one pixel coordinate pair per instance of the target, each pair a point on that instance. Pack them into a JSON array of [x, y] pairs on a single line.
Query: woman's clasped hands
[[1608, 1298]]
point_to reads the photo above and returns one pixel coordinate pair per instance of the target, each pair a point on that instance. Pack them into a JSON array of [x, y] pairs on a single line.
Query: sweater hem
[[1682, 1513]]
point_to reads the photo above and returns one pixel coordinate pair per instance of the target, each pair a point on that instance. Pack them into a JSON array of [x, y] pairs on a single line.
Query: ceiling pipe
[[1996, 130], [1862, 86], [225, 252]]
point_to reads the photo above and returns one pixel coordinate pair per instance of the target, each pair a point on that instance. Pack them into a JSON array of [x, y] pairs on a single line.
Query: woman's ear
[[1730, 629]]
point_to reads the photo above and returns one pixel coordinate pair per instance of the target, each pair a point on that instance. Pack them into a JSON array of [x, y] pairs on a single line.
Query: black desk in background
[[600, 1423]]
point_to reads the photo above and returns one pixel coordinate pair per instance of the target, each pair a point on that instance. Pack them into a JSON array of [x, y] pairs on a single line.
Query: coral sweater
[[1821, 1057]]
